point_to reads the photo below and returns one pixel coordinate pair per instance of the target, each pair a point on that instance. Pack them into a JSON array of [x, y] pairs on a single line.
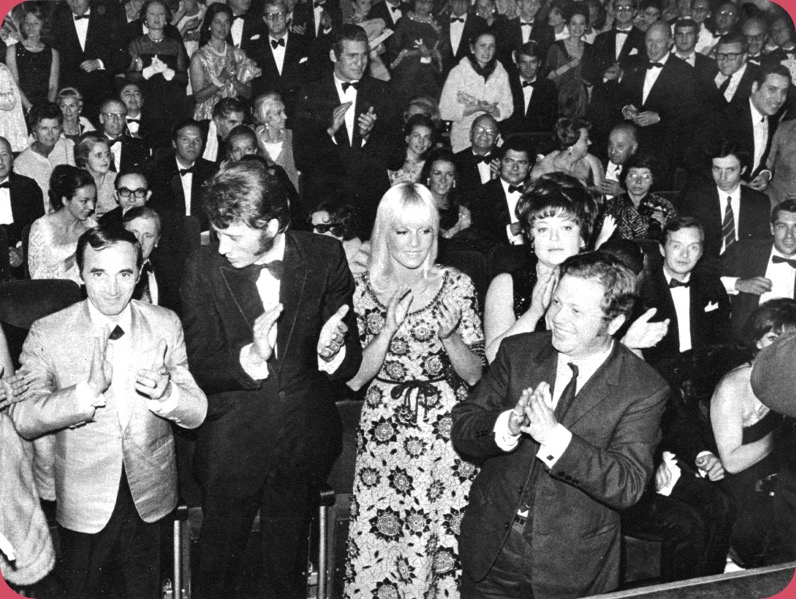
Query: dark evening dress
[[34, 72]]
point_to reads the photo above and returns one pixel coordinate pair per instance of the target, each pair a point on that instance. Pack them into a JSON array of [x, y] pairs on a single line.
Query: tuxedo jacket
[[754, 220], [304, 15], [468, 177], [93, 446], [26, 205], [604, 54], [744, 89], [573, 532], [709, 313], [295, 68], [742, 133], [745, 259], [473, 26], [168, 196], [490, 212], [542, 112], [510, 37], [287, 422], [136, 154], [382, 11], [253, 29], [104, 41]]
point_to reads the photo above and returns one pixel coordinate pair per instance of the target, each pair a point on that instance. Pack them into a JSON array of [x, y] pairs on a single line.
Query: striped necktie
[[728, 226]]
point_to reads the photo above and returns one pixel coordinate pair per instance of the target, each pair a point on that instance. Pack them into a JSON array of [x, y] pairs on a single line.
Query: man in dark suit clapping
[[565, 423], [268, 323]]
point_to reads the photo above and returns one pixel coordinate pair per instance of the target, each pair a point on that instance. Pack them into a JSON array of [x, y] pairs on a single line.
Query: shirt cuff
[[148, 72], [550, 452], [729, 285], [332, 365], [102, 64], [252, 366], [85, 397], [503, 437], [166, 408]]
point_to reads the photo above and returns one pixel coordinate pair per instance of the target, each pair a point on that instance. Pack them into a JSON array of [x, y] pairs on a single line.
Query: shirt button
[[281, 395]]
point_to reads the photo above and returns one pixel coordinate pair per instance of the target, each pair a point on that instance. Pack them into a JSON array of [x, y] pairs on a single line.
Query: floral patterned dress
[[410, 486]]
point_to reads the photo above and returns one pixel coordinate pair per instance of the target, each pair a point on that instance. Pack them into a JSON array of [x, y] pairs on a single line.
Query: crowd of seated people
[[463, 157]]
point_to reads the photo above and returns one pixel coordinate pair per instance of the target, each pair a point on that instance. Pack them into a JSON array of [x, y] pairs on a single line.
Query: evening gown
[[34, 72], [410, 485]]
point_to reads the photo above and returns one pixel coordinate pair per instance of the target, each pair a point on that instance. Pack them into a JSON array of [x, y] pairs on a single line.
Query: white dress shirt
[[620, 40], [735, 202], [187, 185], [760, 128], [394, 12], [211, 146], [527, 93], [484, 170], [782, 277], [729, 93], [6, 214], [652, 76], [81, 27], [133, 127], [236, 30], [525, 30], [511, 201], [457, 29], [349, 95], [681, 297], [116, 151], [278, 52]]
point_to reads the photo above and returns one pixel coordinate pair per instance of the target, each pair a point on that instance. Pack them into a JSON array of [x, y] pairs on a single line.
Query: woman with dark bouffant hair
[[572, 157], [53, 237]]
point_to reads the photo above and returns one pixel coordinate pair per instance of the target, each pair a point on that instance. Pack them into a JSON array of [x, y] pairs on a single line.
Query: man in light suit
[[565, 423], [269, 325], [118, 373]]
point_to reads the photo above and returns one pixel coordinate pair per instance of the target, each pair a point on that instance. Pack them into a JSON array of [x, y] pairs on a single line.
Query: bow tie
[[455, 19], [79, 17], [113, 142], [239, 17], [395, 9], [133, 120], [675, 283], [483, 159], [275, 267], [185, 171], [623, 32], [5, 185], [654, 65], [774, 259], [347, 84], [529, 83], [523, 24], [116, 333], [275, 43], [515, 189]]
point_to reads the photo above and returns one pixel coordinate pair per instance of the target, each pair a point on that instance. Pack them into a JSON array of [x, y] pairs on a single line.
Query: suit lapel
[[243, 293], [596, 390], [291, 292], [138, 341]]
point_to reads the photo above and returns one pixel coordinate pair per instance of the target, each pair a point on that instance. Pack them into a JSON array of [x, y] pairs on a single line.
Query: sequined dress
[[410, 486]]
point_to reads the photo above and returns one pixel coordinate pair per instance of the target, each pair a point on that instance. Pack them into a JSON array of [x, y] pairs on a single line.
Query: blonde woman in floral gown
[[421, 330]]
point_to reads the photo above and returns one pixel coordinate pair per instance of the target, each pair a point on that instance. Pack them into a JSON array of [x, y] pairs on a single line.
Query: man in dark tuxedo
[[132, 191], [456, 31], [659, 96], [494, 204], [757, 270], [705, 68], [755, 30], [129, 153], [727, 210], [526, 27], [177, 178], [269, 323], [89, 43], [133, 100], [282, 56], [320, 22], [535, 97], [346, 127], [754, 122], [694, 302], [613, 49], [20, 203], [474, 165], [390, 11], [228, 113], [622, 146], [245, 30], [543, 515], [736, 76], [144, 223]]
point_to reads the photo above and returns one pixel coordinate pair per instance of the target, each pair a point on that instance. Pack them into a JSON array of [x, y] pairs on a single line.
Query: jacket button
[[281, 395], [506, 525]]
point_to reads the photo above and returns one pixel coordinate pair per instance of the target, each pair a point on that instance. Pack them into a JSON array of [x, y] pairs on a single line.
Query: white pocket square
[[303, 60], [633, 52], [255, 37], [712, 306]]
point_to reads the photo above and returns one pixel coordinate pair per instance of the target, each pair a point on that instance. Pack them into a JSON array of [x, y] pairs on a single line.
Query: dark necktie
[[728, 225], [347, 84], [116, 333], [79, 17], [185, 171], [275, 43], [654, 65], [529, 83], [5, 185], [569, 392], [515, 188], [457, 20], [724, 86], [675, 283], [774, 259], [275, 267], [141, 291]]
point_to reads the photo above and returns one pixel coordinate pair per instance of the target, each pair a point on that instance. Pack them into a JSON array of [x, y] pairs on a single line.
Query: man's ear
[[148, 195], [332, 56], [755, 88]]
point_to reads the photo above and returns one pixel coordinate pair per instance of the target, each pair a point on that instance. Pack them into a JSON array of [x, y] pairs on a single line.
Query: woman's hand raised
[[397, 309]]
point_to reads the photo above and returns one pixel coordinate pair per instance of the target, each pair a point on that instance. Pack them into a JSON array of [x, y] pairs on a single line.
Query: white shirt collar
[[99, 320], [757, 116], [669, 277], [590, 363]]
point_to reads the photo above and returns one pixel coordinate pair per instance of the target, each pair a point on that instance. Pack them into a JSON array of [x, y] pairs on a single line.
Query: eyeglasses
[[139, 193], [321, 228], [275, 16], [728, 55], [639, 177], [114, 115], [624, 9], [756, 38], [482, 130]]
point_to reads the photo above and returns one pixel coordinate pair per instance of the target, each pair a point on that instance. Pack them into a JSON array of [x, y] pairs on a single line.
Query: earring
[[454, 184]]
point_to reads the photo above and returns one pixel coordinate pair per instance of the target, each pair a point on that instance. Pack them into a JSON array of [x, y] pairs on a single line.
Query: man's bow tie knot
[[457, 20], [515, 188], [654, 65], [275, 267], [774, 259], [113, 142], [525, 24], [483, 159], [280, 42], [134, 121], [395, 9], [5, 185], [79, 17], [675, 283], [185, 171], [529, 83], [622, 32], [116, 333], [347, 84]]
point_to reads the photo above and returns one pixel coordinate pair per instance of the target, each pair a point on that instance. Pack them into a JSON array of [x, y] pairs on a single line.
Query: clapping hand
[[338, 118], [367, 120], [262, 328], [712, 465], [397, 309], [333, 334], [542, 292], [101, 371], [155, 383], [12, 389], [539, 413], [643, 333], [450, 313]]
